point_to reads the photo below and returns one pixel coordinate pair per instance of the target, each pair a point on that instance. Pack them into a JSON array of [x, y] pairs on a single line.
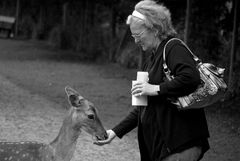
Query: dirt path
[[25, 116], [225, 144]]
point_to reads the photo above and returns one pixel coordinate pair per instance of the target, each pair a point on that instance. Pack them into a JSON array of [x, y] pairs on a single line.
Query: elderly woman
[[164, 132]]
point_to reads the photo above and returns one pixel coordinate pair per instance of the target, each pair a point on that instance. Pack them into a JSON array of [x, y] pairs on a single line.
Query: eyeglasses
[[138, 36]]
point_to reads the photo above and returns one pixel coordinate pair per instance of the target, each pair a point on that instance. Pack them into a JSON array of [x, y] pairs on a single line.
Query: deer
[[82, 115]]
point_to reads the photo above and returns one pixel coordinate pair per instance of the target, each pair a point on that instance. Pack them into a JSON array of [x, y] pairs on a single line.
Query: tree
[[187, 23], [231, 80]]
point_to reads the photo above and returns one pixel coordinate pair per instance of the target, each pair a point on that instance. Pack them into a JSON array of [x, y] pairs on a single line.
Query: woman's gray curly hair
[[158, 17]]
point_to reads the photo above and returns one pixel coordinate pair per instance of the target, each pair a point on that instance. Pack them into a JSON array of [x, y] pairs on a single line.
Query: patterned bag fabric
[[211, 89]]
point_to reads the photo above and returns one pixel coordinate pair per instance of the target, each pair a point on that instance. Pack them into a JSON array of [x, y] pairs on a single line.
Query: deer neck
[[64, 144]]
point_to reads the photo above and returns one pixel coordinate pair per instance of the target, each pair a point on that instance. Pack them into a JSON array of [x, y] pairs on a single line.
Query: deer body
[[26, 151], [81, 115]]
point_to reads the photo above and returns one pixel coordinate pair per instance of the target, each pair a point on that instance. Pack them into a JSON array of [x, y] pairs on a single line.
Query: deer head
[[84, 115]]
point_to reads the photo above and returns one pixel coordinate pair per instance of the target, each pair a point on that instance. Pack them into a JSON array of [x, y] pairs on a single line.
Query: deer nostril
[[98, 138], [105, 136], [102, 136]]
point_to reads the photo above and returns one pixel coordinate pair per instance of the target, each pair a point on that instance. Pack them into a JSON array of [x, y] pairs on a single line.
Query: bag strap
[[165, 67]]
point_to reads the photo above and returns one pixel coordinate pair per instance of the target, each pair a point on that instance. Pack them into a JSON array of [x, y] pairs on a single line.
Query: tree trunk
[[187, 21], [86, 17], [64, 15], [82, 27], [113, 32], [92, 12], [113, 20], [233, 45], [17, 17], [123, 41]]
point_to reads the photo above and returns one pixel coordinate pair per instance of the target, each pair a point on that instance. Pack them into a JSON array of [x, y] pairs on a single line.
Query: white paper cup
[[142, 76], [139, 100]]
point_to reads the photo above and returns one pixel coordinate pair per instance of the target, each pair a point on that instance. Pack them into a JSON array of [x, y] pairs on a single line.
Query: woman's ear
[[156, 32]]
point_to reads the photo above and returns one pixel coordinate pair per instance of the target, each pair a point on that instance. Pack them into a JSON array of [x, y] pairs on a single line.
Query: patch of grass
[[27, 64]]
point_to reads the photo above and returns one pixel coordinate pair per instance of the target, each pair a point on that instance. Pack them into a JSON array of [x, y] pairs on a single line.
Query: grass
[[32, 66]]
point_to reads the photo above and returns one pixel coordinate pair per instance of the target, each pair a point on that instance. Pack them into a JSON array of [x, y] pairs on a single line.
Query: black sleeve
[[183, 67], [127, 124]]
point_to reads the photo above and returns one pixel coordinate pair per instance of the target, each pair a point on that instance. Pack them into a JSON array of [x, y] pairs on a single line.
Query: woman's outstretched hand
[[111, 135]]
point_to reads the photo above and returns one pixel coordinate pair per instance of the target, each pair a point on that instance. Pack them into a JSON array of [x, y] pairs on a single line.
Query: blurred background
[[47, 44], [96, 29]]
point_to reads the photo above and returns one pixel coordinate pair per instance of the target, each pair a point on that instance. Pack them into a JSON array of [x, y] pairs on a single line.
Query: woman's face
[[143, 36]]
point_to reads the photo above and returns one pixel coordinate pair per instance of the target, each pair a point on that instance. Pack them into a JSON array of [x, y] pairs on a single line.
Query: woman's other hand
[[145, 88], [111, 135]]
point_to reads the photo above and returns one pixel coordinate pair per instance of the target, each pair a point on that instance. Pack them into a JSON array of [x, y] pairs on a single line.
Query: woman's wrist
[[156, 89]]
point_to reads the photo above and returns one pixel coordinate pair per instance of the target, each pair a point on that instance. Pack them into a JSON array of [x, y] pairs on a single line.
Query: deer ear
[[73, 97], [69, 91]]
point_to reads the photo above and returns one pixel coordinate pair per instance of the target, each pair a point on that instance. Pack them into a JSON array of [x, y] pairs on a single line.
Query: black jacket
[[162, 128]]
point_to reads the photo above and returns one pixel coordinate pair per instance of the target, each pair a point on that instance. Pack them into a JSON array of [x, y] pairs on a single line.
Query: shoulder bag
[[210, 90]]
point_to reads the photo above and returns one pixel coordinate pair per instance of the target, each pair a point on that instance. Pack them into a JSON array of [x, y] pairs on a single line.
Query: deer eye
[[91, 117]]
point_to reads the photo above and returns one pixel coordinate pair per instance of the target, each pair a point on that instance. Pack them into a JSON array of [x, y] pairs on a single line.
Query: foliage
[[205, 28], [95, 26], [60, 38], [130, 56]]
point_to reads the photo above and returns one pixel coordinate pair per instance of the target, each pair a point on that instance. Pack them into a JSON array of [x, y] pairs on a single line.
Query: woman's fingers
[[138, 85], [144, 89], [137, 92], [102, 142], [137, 89], [111, 136]]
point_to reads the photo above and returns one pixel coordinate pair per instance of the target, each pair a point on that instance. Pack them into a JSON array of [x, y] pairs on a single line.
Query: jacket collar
[[158, 52]]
